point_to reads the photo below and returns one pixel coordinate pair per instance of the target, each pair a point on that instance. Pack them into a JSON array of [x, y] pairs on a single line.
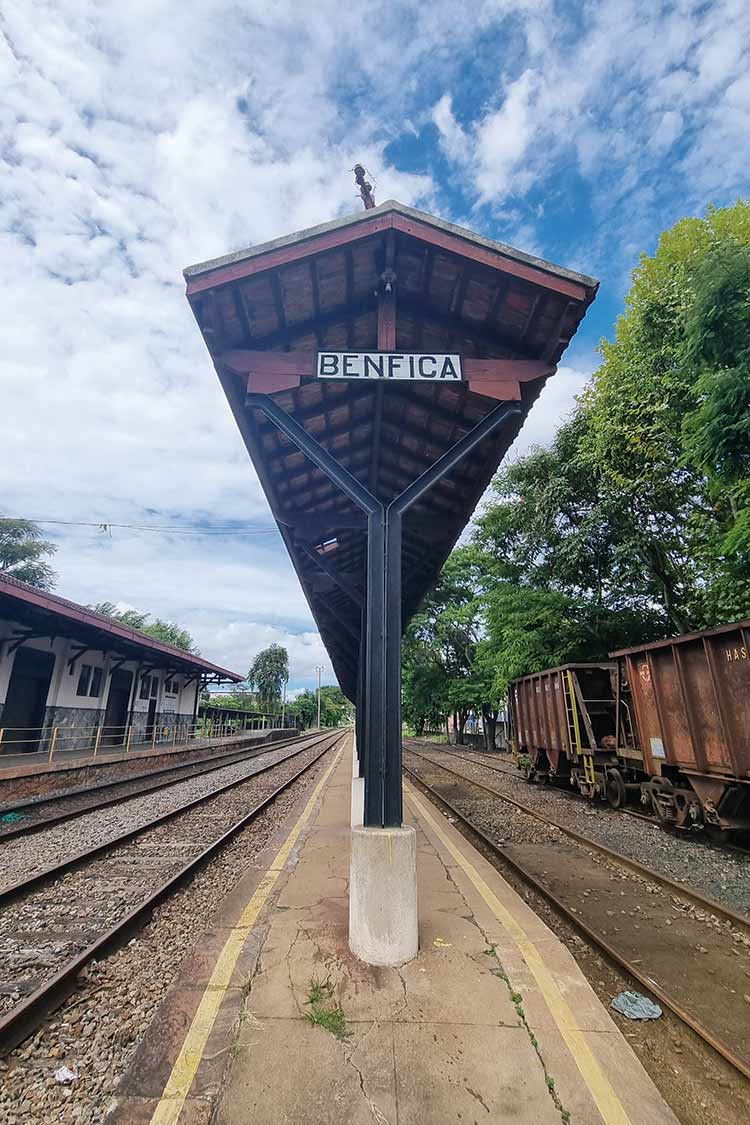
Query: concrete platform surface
[[492, 1021]]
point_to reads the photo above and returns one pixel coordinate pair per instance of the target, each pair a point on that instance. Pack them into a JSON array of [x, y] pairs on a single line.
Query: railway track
[[695, 835], [40, 812], [695, 962], [59, 918]]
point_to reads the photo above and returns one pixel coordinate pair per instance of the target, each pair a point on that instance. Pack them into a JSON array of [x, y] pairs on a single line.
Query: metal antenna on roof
[[365, 187]]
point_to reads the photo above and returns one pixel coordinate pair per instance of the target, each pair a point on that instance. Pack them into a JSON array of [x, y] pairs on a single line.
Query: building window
[[89, 681], [171, 687], [145, 687], [84, 679], [154, 687]]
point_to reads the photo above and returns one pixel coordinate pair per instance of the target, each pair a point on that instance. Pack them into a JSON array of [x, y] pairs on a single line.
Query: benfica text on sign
[[389, 365]]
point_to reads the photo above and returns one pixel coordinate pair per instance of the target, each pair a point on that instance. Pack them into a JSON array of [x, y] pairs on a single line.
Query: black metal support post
[[375, 679], [378, 719], [361, 693]]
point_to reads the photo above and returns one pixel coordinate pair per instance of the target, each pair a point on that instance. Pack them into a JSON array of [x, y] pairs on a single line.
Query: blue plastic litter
[[636, 1007]]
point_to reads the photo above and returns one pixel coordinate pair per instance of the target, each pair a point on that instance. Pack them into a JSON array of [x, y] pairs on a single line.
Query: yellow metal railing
[[59, 738]]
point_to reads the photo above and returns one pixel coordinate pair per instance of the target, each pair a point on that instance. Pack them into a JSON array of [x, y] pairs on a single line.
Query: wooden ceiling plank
[[349, 274], [486, 256], [456, 325], [242, 313], [315, 283], [278, 304]]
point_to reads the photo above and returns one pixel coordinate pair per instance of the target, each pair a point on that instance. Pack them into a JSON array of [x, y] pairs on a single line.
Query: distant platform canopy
[[400, 284]]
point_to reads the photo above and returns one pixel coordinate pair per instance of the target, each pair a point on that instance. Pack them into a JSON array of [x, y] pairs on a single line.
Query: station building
[[72, 679]]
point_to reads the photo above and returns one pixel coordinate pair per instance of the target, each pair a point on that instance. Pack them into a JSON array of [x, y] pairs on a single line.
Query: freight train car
[[668, 722]]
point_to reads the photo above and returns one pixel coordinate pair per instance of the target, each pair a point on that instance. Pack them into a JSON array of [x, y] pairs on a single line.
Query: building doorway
[[26, 701], [118, 702], [151, 719]]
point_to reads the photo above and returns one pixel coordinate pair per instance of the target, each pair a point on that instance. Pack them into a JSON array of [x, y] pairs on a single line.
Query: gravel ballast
[[704, 867], [26, 855], [97, 1031]]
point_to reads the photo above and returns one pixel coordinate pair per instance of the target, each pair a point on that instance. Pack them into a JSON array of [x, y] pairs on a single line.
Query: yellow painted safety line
[[186, 1064], [608, 1104]]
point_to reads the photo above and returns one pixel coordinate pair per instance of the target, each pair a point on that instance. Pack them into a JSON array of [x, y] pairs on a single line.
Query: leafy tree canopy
[[268, 674], [335, 708], [668, 413], [22, 553], [241, 699], [165, 631]]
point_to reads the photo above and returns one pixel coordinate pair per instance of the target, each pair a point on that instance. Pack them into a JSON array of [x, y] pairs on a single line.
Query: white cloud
[[554, 405], [666, 132], [456, 144], [503, 138], [611, 94], [138, 138]]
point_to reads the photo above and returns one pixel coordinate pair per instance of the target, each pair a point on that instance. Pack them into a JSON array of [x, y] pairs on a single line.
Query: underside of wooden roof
[[388, 281]]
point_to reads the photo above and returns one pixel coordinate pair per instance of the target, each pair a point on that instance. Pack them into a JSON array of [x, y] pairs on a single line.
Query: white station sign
[[420, 366]]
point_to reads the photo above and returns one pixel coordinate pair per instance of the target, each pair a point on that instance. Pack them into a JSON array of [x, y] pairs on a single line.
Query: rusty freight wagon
[[563, 724], [668, 721], [690, 700]]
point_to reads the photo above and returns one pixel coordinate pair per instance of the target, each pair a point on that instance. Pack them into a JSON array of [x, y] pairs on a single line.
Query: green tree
[[22, 553], [424, 683], [335, 708], [268, 673], [165, 631], [241, 699], [667, 415], [716, 434], [439, 649], [553, 523]]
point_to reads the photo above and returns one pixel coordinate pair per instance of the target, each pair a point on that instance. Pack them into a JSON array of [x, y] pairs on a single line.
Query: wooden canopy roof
[[390, 278], [37, 613]]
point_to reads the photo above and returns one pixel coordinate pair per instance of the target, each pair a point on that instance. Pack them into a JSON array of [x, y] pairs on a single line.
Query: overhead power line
[[104, 526]]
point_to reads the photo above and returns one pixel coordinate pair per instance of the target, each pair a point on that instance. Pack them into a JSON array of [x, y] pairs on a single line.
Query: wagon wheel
[[663, 783], [614, 789]]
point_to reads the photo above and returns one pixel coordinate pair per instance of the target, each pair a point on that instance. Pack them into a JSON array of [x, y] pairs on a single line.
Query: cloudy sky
[[138, 138]]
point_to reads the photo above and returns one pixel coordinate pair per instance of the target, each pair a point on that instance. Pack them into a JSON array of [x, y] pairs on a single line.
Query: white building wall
[[63, 691]]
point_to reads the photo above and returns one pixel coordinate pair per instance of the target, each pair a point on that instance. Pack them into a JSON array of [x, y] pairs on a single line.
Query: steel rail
[[25, 1018], [675, 831], [196, 769], [642, 869], [44, 876], [596, 939]]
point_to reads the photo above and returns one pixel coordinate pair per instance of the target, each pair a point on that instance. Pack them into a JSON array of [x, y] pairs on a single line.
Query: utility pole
[[318, 670], [283, 706]]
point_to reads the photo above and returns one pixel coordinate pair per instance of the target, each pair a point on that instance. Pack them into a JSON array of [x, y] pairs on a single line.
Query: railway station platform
[[24, 775], [272, 1019]]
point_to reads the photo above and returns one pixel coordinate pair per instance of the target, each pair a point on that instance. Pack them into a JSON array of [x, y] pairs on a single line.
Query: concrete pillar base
[[383, 895], [358, 802]]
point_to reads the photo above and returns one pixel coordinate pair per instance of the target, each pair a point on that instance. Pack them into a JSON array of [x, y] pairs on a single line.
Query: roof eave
[[390, 206], [81, 615]]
